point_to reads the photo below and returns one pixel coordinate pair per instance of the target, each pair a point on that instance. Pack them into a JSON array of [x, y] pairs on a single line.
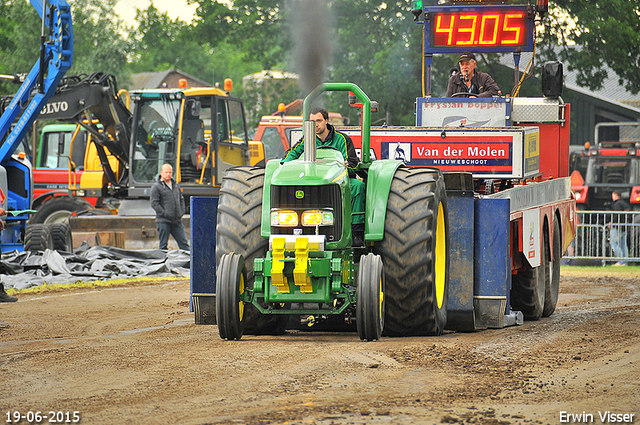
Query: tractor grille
[[315, 197]]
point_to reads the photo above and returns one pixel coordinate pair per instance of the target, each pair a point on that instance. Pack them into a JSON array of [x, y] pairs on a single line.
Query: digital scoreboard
[[495, 28]]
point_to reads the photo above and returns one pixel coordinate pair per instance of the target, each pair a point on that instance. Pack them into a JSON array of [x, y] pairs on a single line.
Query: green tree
[[20, 37], [160, 43], [595, 33], [6, 27], [255, 28], [99, 43], [378, 48]]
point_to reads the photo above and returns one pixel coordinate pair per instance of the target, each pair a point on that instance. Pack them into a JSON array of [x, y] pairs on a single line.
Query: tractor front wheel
[[238, 230], [229, 305], [370, 298]]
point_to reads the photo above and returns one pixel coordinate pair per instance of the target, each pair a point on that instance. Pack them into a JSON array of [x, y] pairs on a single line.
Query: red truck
[[610, 164]]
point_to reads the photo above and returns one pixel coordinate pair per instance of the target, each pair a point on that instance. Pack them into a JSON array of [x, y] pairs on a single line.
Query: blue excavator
[[38, 86]]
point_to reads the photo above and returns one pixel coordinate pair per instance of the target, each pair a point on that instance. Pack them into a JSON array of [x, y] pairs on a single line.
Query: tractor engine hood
[[329, 168]]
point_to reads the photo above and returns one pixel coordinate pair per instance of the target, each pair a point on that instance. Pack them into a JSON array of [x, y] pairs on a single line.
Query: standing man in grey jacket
[[168, 203]]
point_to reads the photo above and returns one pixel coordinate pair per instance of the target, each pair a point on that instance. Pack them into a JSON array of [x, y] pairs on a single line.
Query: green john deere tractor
[[284, 243]]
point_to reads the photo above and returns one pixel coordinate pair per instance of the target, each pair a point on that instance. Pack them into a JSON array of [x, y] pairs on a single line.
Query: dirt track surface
[[133, 355]]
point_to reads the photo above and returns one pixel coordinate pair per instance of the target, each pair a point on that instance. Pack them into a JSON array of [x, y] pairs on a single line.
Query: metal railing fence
[[607, 236]]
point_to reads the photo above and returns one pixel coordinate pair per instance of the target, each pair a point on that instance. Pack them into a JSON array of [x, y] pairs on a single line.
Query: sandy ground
[[132, 354]]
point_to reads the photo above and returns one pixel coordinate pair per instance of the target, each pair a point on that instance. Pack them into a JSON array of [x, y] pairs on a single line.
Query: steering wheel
[[329, 147], [463, 94]]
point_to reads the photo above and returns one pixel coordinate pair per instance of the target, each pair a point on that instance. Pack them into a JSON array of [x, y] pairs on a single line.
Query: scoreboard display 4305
[[497, 28]]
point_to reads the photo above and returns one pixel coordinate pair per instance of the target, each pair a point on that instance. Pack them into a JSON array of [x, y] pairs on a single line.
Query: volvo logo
[[55, 107]]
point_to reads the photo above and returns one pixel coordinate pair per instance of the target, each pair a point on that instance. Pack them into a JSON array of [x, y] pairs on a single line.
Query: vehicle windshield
[[156, 134], [613, 170]]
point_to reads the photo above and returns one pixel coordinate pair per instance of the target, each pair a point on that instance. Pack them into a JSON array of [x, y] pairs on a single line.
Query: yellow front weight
[[300, 276], [277, 268]]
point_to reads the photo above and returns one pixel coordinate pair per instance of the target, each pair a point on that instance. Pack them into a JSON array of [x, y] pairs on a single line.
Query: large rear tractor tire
[[38, 237], [552, 275], [238, 230], [230, 287], [62, 238], [414, 252], [527, 290], [370, 298], [58, 209]]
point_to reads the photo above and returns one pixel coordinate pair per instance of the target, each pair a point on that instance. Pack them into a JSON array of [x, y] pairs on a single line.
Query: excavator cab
[[201, 132]]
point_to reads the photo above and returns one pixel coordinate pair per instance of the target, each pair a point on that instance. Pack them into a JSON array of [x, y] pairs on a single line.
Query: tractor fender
[[379, 177], [46, 196]]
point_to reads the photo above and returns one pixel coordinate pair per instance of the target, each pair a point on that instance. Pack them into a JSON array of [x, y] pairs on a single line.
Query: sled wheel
[[527, 290], [370, 298], [552, 275], [61, 235], [38, 237], [230, 287]]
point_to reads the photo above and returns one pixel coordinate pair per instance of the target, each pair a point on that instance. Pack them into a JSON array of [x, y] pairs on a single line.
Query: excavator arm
[[56, 57], [95, 98]]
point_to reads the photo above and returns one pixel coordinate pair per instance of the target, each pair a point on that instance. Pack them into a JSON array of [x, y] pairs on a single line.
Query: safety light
[[416, 9], [182, 83], [228, 84], [635, 195], [284, 218], [282, 108], [317, 218]]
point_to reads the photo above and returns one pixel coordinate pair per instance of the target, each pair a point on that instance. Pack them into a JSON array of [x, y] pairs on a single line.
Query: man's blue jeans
[[619, 243], [174, 229]]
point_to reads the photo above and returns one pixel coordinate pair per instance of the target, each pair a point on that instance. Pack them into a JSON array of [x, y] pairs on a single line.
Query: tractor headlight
[[284, 218], [317, 218]]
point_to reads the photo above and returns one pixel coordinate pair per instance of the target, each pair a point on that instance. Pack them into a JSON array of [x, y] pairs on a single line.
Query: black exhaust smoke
[[312, 29]]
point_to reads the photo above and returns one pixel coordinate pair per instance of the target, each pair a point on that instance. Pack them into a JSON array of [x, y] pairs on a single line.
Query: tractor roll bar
[[366, 114]]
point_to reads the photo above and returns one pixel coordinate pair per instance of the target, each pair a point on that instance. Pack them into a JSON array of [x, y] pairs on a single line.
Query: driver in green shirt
[[327, 135]]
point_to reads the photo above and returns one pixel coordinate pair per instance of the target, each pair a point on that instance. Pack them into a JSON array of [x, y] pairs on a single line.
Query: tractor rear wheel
[[552, 275], [230, 287], [527, 290], [238, 230], [370, 298], [38, 237], [414, 252]]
